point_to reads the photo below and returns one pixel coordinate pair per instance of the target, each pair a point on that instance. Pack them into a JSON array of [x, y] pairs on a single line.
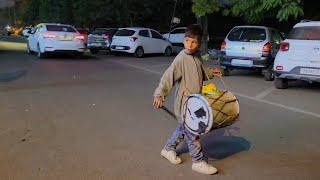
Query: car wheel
[[139, 52], [225, 72], [39, 53], [168, 51], [29, 51], [281, 83], [94, 51], [268, 76]]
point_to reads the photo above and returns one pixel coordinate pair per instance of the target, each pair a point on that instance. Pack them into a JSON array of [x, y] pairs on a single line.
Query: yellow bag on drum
[[203, 113]]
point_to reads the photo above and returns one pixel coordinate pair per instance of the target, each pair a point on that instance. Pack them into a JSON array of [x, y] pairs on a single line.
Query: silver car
[[250, 47]]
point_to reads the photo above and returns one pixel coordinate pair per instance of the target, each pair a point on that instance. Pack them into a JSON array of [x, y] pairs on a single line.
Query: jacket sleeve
[[169, 78]]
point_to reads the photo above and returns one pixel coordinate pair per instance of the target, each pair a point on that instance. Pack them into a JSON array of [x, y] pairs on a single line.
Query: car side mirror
[[164, 38]]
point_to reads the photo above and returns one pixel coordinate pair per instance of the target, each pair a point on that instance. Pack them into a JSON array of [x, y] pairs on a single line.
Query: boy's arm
[[168, 79]]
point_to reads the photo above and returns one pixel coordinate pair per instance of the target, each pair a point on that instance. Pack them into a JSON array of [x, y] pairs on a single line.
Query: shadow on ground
[[11, 76], [219, 144]]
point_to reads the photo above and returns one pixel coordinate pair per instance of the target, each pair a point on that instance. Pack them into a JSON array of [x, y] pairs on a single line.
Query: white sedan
[[140, 41], [55, 38]]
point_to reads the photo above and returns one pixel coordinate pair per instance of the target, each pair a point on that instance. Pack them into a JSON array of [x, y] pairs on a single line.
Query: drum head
[[197, 114]]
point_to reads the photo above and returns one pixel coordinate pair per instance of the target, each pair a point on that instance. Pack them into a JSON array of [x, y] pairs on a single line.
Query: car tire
[[139, 52], [94, 51], [268, 76], [281, 83], [168, 51], [225, 72], [29, 51], [39, 53]]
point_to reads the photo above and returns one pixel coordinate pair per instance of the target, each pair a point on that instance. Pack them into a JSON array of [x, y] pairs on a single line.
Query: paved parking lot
[[91, 118]]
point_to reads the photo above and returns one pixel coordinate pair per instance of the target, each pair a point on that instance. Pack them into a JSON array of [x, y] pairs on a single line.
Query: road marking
[[138, 67], [265, 92], [256, 98], [159, 65], [278, 105]]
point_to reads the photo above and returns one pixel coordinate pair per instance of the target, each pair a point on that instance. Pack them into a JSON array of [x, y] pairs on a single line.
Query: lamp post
[[171, 22]]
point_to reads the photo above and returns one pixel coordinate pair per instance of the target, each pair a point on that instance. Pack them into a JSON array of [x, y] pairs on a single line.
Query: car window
[[60, 28], [144, 33], [125, 32], [178, 31], [305, 33], [276, 37], [105, 31], [247, 34], [34, 30], [155, 35], [82, 31]]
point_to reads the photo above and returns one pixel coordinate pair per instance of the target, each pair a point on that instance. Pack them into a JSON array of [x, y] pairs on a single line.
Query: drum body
[[203, 113]]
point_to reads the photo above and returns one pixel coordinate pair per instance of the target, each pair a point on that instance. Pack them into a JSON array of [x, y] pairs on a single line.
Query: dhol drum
[[203, 113]]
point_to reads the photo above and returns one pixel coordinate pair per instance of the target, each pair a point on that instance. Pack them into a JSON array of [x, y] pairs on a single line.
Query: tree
[[202, 8], [254, 11]]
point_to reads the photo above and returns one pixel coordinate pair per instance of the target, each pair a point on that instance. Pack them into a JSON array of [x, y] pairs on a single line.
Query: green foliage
[[203, 7], [255, 10]]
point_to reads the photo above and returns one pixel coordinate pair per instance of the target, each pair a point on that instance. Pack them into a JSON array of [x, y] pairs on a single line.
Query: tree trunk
[[203, 22]]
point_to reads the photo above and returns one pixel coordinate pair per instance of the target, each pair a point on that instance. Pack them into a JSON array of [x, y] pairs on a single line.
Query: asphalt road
[[65, 118]]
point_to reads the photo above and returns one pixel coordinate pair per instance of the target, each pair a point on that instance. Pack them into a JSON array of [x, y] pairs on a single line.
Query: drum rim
[[210, 122]]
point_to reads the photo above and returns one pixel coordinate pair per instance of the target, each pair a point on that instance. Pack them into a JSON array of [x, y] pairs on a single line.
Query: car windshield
[[247, 34], [125, 32], [60, 28], [105, 31], [305, 33]]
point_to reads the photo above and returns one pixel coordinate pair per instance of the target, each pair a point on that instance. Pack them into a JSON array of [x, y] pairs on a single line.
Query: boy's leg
[[195, 151], [169, 150], [176, 138]]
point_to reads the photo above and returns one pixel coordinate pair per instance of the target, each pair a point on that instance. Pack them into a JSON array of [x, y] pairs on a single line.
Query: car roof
[[249, 26], [59, 24], [137, 28], [308, 23]]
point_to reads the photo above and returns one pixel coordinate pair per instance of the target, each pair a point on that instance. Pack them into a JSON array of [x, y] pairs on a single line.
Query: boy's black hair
[[194, 31]]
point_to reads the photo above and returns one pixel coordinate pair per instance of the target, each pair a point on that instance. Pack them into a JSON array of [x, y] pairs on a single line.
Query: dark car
[[100, 39]]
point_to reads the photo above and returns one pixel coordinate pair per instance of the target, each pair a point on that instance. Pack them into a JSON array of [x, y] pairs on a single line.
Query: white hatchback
[[55, 38], [140, 41], [299, 55]]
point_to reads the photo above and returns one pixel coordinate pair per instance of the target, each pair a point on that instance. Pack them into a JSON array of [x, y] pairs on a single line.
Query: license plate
[[119, 47], [95, 44], [310, 71], [65, 38], [240, 62]]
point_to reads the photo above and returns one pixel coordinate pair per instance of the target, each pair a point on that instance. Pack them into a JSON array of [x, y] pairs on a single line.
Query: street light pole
[[171, 22]]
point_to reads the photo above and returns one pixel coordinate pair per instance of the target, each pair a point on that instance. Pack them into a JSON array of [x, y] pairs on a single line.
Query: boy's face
[[191, 45]]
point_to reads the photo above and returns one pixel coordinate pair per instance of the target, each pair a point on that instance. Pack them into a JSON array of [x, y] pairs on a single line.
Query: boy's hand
[[216, 72], [157, 102]]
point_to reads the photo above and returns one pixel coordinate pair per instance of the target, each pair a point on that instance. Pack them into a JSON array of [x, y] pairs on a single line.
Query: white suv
[[299, 55], [140, 41], [55, 38]]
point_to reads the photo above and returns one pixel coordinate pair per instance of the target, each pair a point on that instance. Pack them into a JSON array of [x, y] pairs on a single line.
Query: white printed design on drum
[[197, 114]]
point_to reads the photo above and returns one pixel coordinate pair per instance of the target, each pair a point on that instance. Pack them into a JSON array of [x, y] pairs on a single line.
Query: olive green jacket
[[187, 74]]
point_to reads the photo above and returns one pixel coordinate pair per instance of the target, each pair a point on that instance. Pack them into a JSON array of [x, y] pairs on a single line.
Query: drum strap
[[218, 74]]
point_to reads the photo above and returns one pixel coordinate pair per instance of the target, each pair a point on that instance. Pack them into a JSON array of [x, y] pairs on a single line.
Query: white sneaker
[[204, 168], [171, 156]]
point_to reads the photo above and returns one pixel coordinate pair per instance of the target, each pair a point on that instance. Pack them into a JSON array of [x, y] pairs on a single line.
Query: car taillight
[[266, 47], [279, 68], [284, 46], [133, 39], [106, 36], [223, 46], [45, 35], [79, 37]]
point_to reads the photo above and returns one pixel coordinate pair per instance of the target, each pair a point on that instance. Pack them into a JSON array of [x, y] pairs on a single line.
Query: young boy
[[186, 71]]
